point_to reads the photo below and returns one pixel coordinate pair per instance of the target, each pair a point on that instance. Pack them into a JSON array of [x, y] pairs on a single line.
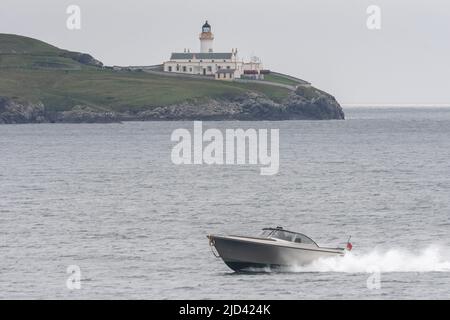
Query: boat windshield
[[291, 236], [265, 233]]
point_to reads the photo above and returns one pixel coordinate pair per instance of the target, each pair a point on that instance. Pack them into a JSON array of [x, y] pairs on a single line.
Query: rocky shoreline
[[250, 107]]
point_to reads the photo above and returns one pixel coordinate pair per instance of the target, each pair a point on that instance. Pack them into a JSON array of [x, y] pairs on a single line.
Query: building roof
[[226, 70], [198, 55], [206, 25]]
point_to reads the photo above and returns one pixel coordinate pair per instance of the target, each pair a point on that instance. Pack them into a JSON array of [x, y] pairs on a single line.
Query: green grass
[[14, 44], [119, 91], [30, 61], [277, 94], [37, 72], [280, 79], [309, 92]]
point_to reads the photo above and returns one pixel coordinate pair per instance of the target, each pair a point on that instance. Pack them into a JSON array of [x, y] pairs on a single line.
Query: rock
[[83, 114], [83, 58], [250, 106], [12, 111], [306, 103]]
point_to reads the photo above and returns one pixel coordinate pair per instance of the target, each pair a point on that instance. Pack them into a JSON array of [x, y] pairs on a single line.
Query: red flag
[[349, 246]]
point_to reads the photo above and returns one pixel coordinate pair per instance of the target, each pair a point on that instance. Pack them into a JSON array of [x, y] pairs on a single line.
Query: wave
[[430, 259]]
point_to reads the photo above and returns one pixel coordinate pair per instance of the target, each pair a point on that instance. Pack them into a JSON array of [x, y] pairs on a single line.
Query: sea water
[[106, 198]]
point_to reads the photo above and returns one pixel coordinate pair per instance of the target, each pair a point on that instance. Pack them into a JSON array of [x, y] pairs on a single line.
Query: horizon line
[[404, 105]]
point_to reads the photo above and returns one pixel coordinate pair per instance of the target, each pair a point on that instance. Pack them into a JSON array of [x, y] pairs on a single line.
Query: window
[[299, 238], [190, 69], [265, 233], [283, 235], [228, 67], [209, 69], [178, 67], [170, 69], [184, 69]]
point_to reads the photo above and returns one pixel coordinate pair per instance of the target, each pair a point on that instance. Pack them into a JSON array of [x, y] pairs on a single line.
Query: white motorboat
[[273, 248]]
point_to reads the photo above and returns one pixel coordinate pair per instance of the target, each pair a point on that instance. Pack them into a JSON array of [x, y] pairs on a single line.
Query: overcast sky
[[325, 42]]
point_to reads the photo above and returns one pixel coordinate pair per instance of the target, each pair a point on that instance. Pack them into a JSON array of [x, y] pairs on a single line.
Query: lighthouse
[[206, 39], [223, 65]]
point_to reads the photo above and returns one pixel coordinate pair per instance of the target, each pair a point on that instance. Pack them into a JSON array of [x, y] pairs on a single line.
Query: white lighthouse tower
[[206, 39]]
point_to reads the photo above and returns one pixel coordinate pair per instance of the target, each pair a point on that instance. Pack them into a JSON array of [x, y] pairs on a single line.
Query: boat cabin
[[281, 234]]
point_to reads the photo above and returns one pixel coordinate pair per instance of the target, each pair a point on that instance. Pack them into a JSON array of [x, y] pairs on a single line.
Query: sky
[[327, 42]]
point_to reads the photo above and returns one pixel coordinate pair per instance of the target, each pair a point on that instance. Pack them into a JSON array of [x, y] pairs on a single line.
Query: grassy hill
[[42, 83], [14, 44], [31, 70]]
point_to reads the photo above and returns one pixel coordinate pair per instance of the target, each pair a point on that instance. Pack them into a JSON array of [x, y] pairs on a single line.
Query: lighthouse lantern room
[[206, 39]]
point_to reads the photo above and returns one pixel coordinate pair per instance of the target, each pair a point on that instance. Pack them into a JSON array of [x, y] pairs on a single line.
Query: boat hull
[[256, 255]]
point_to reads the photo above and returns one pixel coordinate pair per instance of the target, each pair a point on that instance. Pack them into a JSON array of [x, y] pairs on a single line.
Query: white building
[[220, 65]]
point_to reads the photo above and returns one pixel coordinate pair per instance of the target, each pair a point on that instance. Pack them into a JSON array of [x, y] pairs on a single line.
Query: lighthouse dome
[[206, 27]]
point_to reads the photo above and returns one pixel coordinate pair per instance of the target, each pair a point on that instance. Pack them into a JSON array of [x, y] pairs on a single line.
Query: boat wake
[[430, 259]]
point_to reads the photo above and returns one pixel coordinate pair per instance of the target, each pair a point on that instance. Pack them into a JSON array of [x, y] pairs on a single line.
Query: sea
[[100, 211]]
